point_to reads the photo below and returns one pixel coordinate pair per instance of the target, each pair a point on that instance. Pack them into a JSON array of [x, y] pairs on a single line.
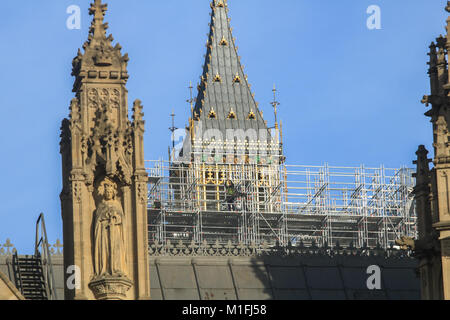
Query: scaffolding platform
[[280, 204]]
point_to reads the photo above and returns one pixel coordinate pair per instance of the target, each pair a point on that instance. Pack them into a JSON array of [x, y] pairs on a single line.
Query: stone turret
[[104, 196], [433, 186], [422, 193]]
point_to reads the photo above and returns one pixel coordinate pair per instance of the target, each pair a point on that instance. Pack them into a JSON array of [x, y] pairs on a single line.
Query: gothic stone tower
[[432, 192], [104, 196]]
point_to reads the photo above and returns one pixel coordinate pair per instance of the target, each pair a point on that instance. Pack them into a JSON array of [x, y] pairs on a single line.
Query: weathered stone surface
[[7, 289], [432, 192], [104, 196], [110, 288]]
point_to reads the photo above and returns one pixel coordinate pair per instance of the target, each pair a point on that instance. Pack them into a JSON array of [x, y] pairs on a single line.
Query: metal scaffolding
[[283, 204]]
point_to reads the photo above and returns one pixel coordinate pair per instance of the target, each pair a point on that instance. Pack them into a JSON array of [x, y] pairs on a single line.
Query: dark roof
[[224, 87], [312, 275]]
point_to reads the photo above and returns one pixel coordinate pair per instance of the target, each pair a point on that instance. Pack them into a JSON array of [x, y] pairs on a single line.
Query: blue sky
[[349, 95]]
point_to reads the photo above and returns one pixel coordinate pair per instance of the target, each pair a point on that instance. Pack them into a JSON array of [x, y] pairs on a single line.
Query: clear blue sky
[[349, 95]]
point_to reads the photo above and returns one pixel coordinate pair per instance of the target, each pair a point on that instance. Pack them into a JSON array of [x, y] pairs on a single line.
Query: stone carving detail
[[442, 141], [103, 55], [102, 169], [93, 98], [101, 97], [65, 136], [58, 246], [100, 59], [445, 187], [110, 288], [109, 240], [75, 112], [142, 193], [76, 189], [241, 250], [8, 248], [406, 243], [111, 147], [138, 116]]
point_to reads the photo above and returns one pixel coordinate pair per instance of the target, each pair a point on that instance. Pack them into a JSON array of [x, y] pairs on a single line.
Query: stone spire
[[104, 197], [422, 192], [440, 94], [100, 60]]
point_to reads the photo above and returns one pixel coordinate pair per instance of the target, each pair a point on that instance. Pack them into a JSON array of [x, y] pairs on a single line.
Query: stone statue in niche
[[441, 133], [109, 240]]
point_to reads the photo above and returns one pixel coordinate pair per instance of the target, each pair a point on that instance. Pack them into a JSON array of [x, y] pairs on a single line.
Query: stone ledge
[[110, 288]]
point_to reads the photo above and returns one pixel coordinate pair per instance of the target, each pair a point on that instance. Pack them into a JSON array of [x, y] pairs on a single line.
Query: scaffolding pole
[[282, 204]]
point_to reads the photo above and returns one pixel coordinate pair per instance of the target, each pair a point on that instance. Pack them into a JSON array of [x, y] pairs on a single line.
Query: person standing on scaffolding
[[230, 195]]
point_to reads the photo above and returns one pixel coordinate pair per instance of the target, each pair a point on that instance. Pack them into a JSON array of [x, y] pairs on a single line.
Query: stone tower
[[226, 113], [432, 191], [227, 132], [427, 247], [104, 196]]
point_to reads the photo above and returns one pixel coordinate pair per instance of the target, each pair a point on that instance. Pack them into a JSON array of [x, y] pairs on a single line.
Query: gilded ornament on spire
[[217, 78], [237, 78], [231, 115], [224, 41], [212, 114]]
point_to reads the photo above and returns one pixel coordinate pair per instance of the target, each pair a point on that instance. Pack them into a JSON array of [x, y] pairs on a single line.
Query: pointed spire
[[422, 192], [97, 34], [422, 174], [447, 28], [223, 84], [225, 103], [433, 72], [98, 28], [100, 60]]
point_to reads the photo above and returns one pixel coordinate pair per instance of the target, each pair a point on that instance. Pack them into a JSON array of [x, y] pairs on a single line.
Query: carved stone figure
[[406, 243], [441, 140], [109, 241]]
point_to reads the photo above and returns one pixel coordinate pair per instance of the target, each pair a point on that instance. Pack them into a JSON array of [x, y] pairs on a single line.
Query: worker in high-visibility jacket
[[230, 195]]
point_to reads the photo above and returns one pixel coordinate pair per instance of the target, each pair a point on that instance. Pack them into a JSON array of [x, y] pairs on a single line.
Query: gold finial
[[173, 129], [191, 99], [275, 104]]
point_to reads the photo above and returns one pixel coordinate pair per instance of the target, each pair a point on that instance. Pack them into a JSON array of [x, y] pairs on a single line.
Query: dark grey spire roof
[[224, 88]]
